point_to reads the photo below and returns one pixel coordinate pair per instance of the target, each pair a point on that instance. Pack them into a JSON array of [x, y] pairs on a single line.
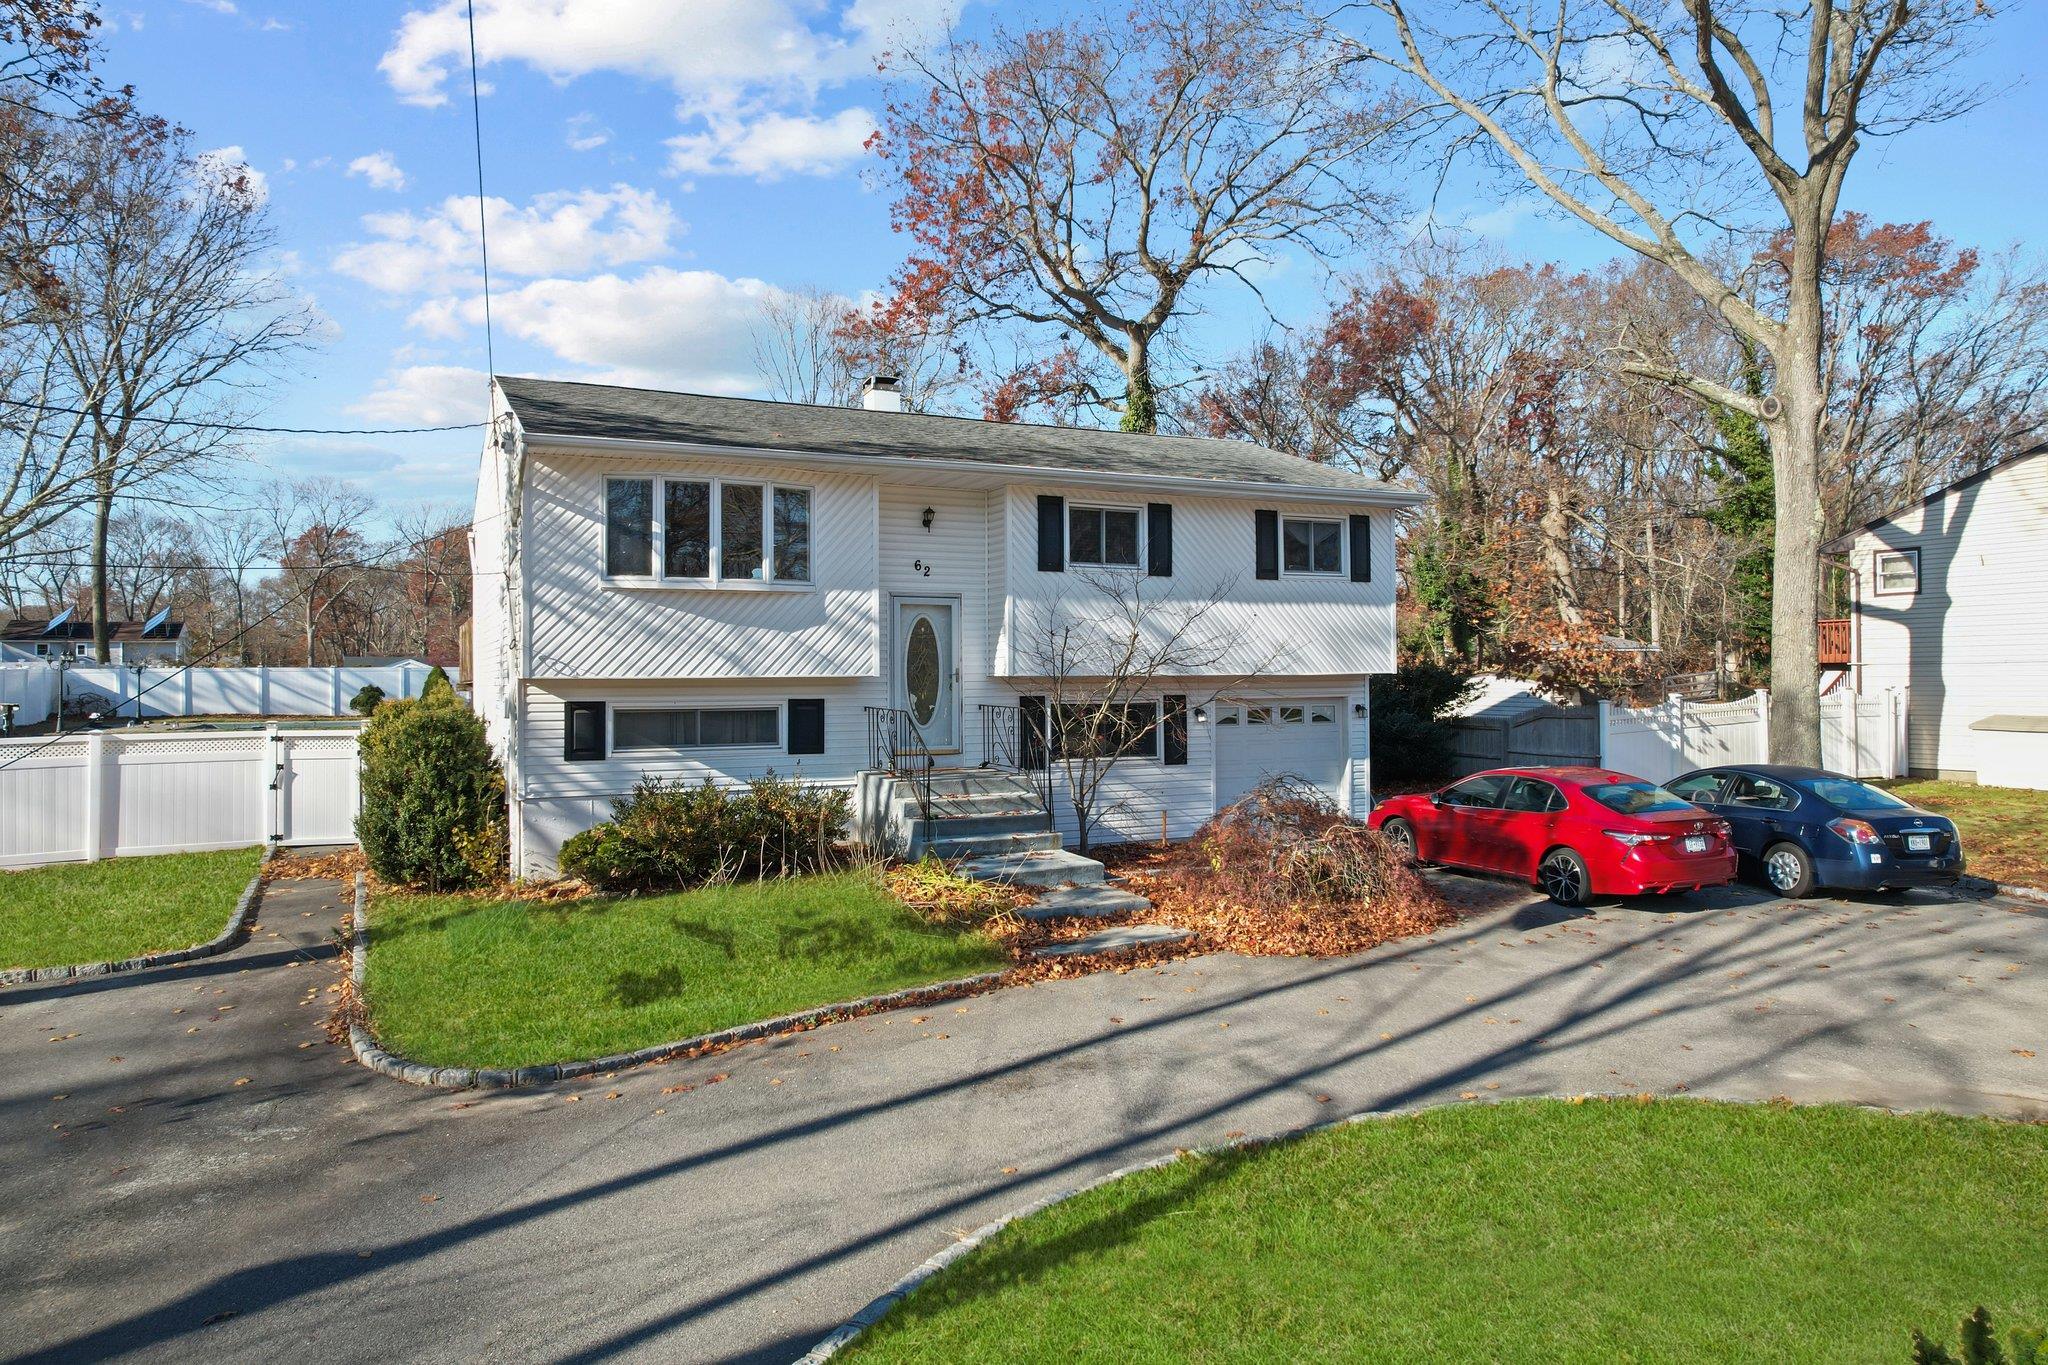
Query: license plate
[[1919, 843], [1695, 843]]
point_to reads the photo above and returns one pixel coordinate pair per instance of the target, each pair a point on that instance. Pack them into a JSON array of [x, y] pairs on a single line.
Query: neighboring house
[[153, 642], [698, 587], [1951, 602]]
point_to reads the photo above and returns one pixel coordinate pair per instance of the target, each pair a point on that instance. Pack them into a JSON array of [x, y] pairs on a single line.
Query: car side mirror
[[1436, 798]]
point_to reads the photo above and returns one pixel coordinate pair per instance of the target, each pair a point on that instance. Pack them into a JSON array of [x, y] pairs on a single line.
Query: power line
[[483, 236], [190, 664], [261, 430]]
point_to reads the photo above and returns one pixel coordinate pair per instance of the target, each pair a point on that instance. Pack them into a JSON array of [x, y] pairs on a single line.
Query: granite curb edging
[[238, 923], [513, 1078]]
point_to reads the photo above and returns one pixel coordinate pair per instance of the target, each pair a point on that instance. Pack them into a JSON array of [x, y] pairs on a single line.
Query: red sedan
[[1576, 832]]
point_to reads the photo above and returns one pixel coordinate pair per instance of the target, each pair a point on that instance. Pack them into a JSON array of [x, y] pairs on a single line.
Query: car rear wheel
[[1564, 878], [1788, 870], [1401, 835]]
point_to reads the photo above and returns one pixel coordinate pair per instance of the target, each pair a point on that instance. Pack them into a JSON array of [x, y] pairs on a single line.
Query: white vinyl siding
[[1972, 640]]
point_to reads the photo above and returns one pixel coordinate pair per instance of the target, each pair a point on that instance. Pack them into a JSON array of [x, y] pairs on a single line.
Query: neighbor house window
[[695, 728], [1103, 536], [709, 531], [629, 527], [1897, 573], [1312, 547]]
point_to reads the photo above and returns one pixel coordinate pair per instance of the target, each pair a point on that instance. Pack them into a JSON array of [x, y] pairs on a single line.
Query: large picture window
[[1127, 730], [695, 728], [1105, 537], [707, 531]]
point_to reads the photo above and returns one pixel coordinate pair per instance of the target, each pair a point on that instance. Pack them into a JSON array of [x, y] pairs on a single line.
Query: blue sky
[[664, 163]]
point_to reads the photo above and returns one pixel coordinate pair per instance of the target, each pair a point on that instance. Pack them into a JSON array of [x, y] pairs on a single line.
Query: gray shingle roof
[[552, 407]]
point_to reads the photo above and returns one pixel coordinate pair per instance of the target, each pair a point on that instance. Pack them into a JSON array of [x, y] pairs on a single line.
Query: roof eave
[[622, 445]]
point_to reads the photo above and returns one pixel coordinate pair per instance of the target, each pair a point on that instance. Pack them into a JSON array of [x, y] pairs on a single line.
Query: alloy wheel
[[1560, 877], [1783, 868]]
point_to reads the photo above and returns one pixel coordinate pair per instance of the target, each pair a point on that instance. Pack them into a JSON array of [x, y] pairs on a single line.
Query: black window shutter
[[1052, 533], [583, 731], [1174, 724], [1268, 526], [1361, 548], [1031, 731], [807, 725], [1159, 539]]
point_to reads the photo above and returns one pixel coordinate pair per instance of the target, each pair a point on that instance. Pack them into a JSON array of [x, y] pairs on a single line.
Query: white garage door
[[1258, 740]]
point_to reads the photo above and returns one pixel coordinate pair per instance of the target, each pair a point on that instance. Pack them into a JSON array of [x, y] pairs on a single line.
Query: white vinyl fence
[[235, 691], [109, 793], [31, 689], [1861, 735]]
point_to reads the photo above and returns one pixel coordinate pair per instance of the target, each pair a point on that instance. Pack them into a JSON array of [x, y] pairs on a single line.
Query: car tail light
[[1724, 829], [1631, 838], [1857, 831]]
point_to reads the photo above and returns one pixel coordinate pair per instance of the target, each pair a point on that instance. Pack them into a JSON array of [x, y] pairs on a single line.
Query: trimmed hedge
[[668, 835], [433, 798]]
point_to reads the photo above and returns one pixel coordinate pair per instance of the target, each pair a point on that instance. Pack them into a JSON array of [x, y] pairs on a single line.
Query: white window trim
[[715, 581], [1343, 569], [1144, 538], [1877, 558], [781, 744]]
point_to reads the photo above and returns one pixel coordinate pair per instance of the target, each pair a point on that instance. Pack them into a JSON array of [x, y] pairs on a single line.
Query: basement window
[[695, 727]]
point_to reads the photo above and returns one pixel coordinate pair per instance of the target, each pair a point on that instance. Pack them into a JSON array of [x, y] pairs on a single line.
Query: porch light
[[1358, 709], [927, 518]]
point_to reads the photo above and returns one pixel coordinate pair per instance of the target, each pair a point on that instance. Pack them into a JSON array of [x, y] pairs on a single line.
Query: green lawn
[[2004, 829], [71, 913], [455, 981], [1541, 1231]]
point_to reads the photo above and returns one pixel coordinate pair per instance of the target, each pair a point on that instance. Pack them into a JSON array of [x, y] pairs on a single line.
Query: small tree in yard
[[1104, 655], [366, 699], [433, 798]]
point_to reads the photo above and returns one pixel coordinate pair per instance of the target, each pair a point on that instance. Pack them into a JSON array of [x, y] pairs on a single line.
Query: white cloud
[[665, 328], [426, 396], [560, 233], [380, 169], [230, 165], [585, 134], [217, 6], [773, 145]]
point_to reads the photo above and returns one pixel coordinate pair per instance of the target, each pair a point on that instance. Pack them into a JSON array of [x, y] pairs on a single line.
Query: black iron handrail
[[1005, 744], [898, 747]]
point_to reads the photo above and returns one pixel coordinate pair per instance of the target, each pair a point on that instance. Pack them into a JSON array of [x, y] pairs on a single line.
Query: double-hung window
[[1103, 537], [707, 532], [1897, 573], [1310, 546]]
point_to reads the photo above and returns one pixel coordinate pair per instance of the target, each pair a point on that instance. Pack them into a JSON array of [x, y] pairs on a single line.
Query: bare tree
[[165, 317], [796, 347], [316, 529], [1108, 652], [1086, 180], [1661, 130]]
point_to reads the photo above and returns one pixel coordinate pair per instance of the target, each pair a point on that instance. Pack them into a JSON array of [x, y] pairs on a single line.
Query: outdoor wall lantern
[[1201, 715], [927, 518], [1358, 709]]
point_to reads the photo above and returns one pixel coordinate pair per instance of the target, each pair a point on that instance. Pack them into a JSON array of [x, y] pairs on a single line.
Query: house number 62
[[921, 567]]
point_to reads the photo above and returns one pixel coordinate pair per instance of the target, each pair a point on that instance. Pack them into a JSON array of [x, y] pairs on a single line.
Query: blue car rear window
[[1840, 791], [1636, 798]]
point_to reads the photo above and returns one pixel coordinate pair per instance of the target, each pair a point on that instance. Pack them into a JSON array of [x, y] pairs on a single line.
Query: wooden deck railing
[[1834, 640]]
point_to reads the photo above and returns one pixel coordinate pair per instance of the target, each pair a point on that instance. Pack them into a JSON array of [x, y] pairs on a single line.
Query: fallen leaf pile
[[296, 867]]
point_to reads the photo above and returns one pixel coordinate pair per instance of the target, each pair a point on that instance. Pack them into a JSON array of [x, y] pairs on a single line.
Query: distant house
[[28, 638], [1951, 602]]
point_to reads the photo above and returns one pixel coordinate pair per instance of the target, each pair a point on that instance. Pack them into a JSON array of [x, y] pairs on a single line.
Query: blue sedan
[[1801, 828]]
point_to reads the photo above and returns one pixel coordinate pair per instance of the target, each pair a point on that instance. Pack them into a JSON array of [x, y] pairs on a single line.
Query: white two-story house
[[701, 587]]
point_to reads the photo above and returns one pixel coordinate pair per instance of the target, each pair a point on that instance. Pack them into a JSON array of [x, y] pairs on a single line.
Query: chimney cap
[[883, 383]]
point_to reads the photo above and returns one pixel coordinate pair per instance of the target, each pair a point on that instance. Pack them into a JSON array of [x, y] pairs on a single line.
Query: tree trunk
[[102, 513], [1555, 525], [1795, 586], [1141, 401]]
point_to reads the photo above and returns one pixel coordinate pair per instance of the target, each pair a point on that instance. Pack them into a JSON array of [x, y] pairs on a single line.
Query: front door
[[927, 681]]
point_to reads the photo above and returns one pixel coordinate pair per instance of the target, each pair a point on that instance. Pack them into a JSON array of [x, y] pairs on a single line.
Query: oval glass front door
[[921, 671]]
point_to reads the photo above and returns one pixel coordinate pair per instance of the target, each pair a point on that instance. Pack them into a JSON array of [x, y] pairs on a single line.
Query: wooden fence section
[[110, 793], [1548, 737]]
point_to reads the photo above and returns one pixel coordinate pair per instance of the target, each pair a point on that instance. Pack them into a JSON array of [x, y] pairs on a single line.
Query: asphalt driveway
[[192, 1168]]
